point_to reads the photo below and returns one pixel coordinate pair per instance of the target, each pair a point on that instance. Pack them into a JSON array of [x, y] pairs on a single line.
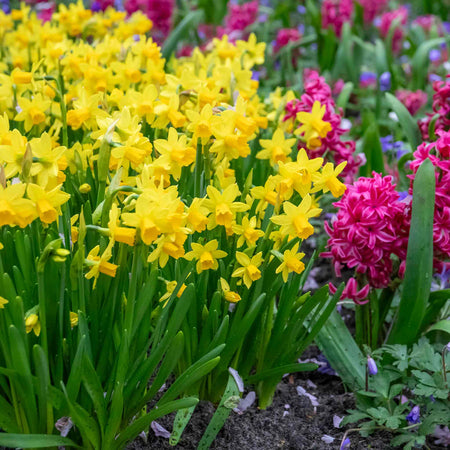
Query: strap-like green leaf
[[409, 125], [419, 259], [34, 441]]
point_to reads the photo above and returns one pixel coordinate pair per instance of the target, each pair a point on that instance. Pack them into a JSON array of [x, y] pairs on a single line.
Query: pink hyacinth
[[441, 107], [316, 89], [428, 22], [371, 225], [239, 17], [284, 36], [385, 24], [372, 8], [413, 100], [335, 13]]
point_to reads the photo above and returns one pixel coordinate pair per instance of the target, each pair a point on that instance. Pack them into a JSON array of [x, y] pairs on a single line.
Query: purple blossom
[[371, 366], [414, 416], [345, 445], [385, 81], [434, 55]]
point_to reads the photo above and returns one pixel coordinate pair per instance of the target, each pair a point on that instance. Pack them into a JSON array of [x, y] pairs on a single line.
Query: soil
[[301, 428]]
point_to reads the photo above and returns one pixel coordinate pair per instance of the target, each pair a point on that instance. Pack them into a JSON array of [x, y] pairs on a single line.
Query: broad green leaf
[[279, 371], [407, 122], [419, 259], [442, 325], [342, 352], [221, 414], [34, 441]]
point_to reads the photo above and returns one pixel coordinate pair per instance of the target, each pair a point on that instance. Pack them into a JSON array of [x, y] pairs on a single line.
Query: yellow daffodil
[[276, 149], [291, 262], [48, 204], [313, 128], [206, 255], [99, 264], [73, 319], [294, 222], [228, 294], [247, 232], [3, 302], [327, 180], [32, 324], [248, 271], [222, 206]]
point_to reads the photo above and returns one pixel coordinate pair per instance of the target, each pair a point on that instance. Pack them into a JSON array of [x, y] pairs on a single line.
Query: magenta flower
[[413, 100], [386, 22], [351, 292], [284, 36], [335, 13], [372, 8], [371, 225]]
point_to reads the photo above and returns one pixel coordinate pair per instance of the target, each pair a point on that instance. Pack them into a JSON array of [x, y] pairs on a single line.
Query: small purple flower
[[301, 9], [402, 195], [371, 366], [434, 55], [446, 26], [255, 75], [414, 416], [345, 445], [96, 7], [367, 78], [385, 81], [433, 77], [387, 143]]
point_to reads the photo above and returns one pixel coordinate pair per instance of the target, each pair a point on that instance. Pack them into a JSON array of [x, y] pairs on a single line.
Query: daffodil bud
[[85, 188], [60, 255]]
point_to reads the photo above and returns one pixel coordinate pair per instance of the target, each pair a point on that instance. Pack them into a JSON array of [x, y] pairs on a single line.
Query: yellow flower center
[[206, 260], [335, 186], [6, 213], [251, 235], [46, 211], [224, 216], [302, 227], [37, 116], [294, 265], [149, 231], [253, 272]]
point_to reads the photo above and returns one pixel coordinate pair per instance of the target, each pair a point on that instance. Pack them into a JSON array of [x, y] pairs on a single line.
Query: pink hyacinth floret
[[441, 107], [335, 13], [351, 292], [372, 8], [413, 100], [284, 36], [387, 18]]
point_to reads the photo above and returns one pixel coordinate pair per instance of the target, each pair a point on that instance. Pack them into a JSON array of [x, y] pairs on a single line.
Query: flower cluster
[[284, 36], [372, 9], [239, 17], [165, 149], [413, 100], [441, 109], [335, 13], [400, 17], [339, 151], [371, 226]]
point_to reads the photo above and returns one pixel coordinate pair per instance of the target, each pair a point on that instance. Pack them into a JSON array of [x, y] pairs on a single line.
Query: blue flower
[[387, 143], [385, 81], [345, 445], [371, 366], [414, 416]]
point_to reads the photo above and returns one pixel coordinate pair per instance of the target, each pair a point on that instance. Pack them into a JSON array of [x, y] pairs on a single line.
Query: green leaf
[[279, 371], [419, 259], [34, 441], [94, 388], [144, 422], [420, 62], [342, 352], [407, 122], [7, 417], [179, 424], [190, 21], [221, 414], [436, 301], [442, 325], [344, 96]]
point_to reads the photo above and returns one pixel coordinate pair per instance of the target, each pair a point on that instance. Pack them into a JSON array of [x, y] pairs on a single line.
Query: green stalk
[[61, 89], [42, 309]]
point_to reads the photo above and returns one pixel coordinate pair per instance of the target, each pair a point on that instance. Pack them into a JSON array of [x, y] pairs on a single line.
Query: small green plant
[[408, 394]]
